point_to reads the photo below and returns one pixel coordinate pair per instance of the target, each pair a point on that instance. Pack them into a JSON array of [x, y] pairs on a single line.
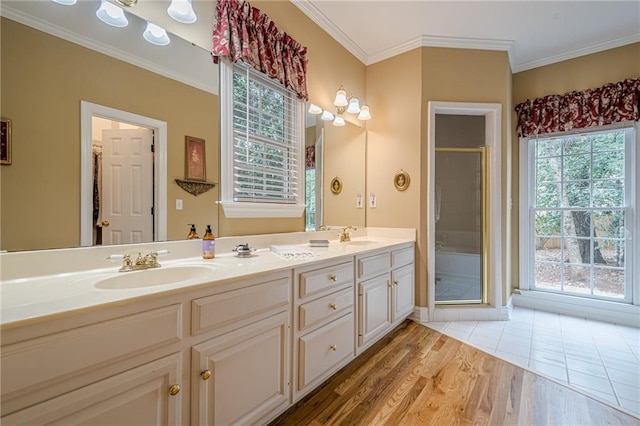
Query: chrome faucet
[[345, 235]]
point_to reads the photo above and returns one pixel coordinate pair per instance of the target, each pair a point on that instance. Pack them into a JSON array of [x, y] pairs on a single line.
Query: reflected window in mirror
[[262, 145]]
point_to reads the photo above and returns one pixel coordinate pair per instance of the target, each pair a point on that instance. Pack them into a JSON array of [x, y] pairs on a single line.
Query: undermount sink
[[362, 242], [153, 277]]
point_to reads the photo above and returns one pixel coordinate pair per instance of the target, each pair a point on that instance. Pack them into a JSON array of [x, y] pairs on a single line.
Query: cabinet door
[[375, 315], [140, 396], [240, 377], [403, 292]]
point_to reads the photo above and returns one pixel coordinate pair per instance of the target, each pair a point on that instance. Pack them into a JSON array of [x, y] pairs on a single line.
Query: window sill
[[260, 210], [601, 310]]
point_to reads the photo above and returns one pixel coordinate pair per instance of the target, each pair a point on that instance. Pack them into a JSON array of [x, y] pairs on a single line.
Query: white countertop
[[43, 294]]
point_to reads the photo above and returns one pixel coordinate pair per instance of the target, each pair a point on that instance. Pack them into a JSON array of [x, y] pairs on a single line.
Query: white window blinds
[[266, 139]]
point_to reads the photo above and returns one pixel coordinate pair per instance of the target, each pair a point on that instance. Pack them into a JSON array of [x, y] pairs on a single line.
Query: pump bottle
[[208, 244]]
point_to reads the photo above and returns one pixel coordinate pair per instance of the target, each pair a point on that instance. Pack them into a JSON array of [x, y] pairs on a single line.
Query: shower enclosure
[[460, 217]]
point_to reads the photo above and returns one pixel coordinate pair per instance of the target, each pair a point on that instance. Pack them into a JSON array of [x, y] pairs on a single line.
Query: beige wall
[[344, 153], [42, 86], [580, 73], [399, 90], [330, 65]]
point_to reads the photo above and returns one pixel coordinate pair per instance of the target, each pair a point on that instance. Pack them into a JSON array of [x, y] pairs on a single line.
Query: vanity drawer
[[236, 308], [402, 257], [324, 349], [373, 265], [314, 282], [325, 308], [62, 356]]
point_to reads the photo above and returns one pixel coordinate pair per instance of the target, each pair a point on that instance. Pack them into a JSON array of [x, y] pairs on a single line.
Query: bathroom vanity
[[227, 341]]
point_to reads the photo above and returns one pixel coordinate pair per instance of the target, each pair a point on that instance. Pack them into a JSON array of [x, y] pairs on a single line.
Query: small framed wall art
[[195, 160], [5, 141], [336, 185], [401, 180]]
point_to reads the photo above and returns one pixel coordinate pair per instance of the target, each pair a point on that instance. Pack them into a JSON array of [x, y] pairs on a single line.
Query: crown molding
[[594, 48], [57, 31], [313, 13], [450, 42]]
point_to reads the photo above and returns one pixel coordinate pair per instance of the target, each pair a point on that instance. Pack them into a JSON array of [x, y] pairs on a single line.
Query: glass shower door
[[460, 216]]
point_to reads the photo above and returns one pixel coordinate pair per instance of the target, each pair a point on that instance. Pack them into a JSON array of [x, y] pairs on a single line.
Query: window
[[261, 167], [579, 214]]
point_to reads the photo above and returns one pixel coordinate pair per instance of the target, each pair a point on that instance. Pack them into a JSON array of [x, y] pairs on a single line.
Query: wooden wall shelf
[[195, 187]]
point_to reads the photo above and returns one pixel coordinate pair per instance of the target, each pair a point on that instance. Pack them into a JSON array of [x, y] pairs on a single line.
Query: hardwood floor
[[416, 375]]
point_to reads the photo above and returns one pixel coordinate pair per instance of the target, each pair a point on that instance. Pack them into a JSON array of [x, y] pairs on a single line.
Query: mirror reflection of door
[[123, 183]]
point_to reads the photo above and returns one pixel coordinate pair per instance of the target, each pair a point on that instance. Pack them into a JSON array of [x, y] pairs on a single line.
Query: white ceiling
[[535, 33]]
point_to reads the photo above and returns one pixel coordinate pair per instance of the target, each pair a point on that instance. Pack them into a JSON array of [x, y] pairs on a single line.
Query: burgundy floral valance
[[611, 103], [243, 33]]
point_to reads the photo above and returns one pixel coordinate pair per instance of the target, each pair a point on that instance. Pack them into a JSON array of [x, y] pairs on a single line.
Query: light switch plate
[[178, 204], [372, 201]]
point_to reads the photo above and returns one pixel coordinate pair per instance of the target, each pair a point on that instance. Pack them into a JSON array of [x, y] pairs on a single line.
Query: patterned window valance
[[243, 33], [611, 103]]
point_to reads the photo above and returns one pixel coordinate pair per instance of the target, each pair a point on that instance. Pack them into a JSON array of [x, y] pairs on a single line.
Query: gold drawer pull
[[333, 278], [174, 389], [206, 374], [395, 282], [334, 347], [333, 306]]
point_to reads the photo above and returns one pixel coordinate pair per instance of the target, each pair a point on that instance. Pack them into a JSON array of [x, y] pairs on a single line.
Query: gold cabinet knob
[[334, 347], [395, 282], [333, 278], [174, 389], [333, 306], [206, 374], [105, 223]]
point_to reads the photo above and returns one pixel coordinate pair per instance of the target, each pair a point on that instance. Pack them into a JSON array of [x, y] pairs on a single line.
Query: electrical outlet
[[178, 204]]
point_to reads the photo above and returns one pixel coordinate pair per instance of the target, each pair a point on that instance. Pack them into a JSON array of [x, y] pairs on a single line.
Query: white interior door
[[127, 186]]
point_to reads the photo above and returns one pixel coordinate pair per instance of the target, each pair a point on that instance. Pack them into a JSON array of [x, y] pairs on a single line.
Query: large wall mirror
[[54, 57]]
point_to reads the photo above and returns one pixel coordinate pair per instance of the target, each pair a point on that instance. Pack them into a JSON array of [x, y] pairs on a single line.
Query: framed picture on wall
[[195, 160], [336, 185], [5, 141], [401, 180]]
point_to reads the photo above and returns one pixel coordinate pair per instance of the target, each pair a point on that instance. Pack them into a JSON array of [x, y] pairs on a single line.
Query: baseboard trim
[[420, 314], [618, 313]]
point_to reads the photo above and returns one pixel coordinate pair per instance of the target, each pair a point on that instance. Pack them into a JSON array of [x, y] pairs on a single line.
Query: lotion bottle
[[208, 244], [193, 234]]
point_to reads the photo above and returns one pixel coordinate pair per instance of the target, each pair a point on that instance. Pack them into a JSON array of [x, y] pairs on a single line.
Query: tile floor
[[597, 358]]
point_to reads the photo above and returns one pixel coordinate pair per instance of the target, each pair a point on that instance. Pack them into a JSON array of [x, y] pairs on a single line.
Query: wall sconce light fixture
[[182, 11], [111, 14], [344, 104], [156, 35]]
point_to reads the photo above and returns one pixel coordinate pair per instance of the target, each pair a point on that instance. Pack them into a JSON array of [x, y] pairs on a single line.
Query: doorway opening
[[123, 195], [478, 155]]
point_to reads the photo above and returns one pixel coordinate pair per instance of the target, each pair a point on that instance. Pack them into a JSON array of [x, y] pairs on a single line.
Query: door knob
[[105, 223], [206, 374]]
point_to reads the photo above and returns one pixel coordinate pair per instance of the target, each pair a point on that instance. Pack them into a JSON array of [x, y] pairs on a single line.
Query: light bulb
[[354, 106], [314, 109], [111, 14], [339, 121], [341, 98], [182, 11], [364, 113], [326, 116], [156, 35]]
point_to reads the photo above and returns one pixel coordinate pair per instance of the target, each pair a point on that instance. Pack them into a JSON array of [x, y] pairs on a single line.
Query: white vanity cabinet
[[323, 335], [242, 376], [123, 369], [385, 292]]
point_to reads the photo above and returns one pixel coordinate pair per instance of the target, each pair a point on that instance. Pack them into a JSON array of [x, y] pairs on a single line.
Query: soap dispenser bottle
[[208, 244], [193, 234]]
